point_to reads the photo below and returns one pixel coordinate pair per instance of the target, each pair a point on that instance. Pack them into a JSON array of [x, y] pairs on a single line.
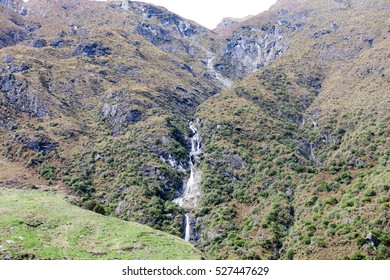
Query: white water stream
[[191, 190], [225, 81], [187, 232]]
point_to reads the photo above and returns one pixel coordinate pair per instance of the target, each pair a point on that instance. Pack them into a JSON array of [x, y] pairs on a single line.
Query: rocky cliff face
[[255, 48], [15, 5], [254, 44], [17, 95], [168, 19], [173, 34]]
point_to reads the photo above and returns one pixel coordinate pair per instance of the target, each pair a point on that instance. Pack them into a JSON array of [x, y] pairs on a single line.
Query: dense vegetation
[[297, 153]]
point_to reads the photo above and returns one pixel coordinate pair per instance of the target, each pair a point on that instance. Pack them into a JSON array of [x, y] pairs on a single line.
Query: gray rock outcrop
[[16, 92], [249, 51]]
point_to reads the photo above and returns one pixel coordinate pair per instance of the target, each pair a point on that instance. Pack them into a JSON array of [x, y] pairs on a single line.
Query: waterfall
[[189, 197], [313, 156], [187, 234], [125, 5], [225, 81]]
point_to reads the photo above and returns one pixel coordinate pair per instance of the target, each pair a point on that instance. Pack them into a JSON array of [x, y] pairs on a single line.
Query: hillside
[[102, 96], [43, 225], [301, 147], [273, 129], [13, 26]]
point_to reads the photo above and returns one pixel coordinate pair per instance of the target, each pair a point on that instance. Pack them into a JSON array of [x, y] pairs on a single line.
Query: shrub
[[82, 185], [290, 254], [360, 242], [383, 252], [94, 206], [251, 256], [345, 178], [347, 202], [311, 230], [321, 243], [306, 240], [311, 201], [204, 211], [369, 192], [385, 239], [327, 187], [331, 201], [48, 172], [357, 256]]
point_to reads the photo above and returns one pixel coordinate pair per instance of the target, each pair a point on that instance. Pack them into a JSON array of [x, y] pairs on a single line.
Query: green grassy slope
[[43, 225]]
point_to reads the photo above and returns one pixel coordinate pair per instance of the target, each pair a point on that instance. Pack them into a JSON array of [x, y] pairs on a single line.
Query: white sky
[[210, 12]]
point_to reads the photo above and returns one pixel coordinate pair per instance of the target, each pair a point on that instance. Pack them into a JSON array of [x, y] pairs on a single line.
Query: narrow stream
[[190, 194], [225, 81], [187, 232], [191, 187], [312, 155]]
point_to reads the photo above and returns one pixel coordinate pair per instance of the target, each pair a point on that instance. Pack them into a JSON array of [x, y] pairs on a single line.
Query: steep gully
[[190, 194], [191, 188], [225, 81]]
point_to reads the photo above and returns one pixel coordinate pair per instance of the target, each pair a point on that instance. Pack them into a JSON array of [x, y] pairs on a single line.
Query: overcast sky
[[210, 12]]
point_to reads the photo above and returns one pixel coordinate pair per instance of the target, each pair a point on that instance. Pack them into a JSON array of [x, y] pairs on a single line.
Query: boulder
[[92, 50], [38, 143], [8, 58], [38, 43], [372, 240]]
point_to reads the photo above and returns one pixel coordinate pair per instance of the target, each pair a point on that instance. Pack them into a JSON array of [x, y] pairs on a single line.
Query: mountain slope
[[97, 97], [93, 103], [298, 152], [14, 27]]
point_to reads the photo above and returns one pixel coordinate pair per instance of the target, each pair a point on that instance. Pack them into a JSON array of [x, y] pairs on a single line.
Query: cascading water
[[225, 81], [187, 233], [191, 190]]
